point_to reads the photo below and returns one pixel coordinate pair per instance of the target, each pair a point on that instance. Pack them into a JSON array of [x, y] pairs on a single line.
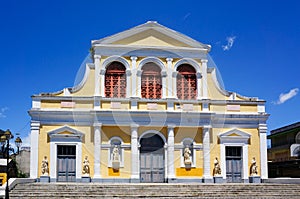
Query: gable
[[234, 136], [151, 34], [65, 132], [151, 38]]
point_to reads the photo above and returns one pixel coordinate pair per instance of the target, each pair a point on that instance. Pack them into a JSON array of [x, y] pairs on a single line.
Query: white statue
[[217, 168], [253, 167], [86, 166], [115, 154], [45, 166], [187, 155]]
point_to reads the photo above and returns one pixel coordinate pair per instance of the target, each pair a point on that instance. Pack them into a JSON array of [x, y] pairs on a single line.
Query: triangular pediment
[[235, 133], [65, 131], [151, 34]]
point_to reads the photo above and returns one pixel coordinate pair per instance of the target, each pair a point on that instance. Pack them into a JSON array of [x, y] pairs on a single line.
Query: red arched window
[[115, 80], [186, 82], [151, 81]]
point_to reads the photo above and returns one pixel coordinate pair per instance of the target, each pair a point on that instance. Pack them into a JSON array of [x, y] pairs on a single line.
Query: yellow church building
[[149, 108]]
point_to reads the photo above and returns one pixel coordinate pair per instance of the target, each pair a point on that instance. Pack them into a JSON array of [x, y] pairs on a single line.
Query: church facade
[[148, 109]]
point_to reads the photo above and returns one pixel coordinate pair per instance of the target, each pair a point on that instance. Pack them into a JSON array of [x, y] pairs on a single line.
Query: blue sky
[[255, 45]]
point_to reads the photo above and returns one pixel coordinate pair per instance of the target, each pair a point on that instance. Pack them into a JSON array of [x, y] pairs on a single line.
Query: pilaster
[[171, 169], [206, 154], [34, 153], [97, 74], [164, 84], [204, 78], [199, 92], [97, 150], [135, 174], [263, 150], [170, 79], [134, 77]]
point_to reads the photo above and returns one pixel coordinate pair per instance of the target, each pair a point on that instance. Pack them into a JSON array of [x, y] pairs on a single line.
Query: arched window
[[115, 80], [186, 82], [151, 81]]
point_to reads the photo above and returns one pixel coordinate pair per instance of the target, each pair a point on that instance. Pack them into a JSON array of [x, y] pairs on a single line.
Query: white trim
[[109, 154], [97, 150], [113, 58], [155, 60], [206, 153], [34, 148], [263, 151], [135, 156], [153, 132], [188, 61], [53, 157], [97, 64], [242, 140], [151, 25]]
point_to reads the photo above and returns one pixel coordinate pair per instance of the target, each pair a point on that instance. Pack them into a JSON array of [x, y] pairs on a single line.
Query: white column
[[97, 74], [135, 174], [206, 153], [139, 83], [102, 82], [223, 160], [53, 160], [263, 151], [199, 87], [128, 83], [204, 78], [174, 79], [245, 174], [164, 84], [134, 77], [97, 150], [170, 78], [34, 149], [171, 170]]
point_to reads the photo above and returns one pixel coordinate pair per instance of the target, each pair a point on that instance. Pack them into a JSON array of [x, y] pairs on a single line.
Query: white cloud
[[230, 41], [186, 16], [283, 97], [26, 141], [2, 112]]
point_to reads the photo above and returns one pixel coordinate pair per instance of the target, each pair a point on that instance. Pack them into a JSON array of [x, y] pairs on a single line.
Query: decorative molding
[[189, 61], [155, 60], [113, 58]]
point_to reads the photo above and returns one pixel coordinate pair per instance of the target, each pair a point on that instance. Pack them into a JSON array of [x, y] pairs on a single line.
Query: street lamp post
[[18, 143], [5, 139]]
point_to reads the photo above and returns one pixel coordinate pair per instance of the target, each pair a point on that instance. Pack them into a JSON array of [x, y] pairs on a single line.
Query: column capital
[[169, 59], [207, 127], [198, 75], [97, 57], [262, 128], [102, 72], [128, 72], [203, 61], [164, 73], [35, 125], [134, 126], [174, 74], [96, 124], [133, 58], [139, 73], [171, 126]]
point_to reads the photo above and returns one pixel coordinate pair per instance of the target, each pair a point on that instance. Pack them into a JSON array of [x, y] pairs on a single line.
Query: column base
[[45, 179], [86, 179], [254, 179], [208, 180], [135, 180], [171, 180], [218, 179]]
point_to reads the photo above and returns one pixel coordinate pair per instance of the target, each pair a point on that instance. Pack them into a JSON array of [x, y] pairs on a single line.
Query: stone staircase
[[97, 190]]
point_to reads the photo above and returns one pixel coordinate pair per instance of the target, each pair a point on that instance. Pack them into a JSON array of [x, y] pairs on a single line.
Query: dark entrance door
[[152, 159], [234, 164], [66, 163]]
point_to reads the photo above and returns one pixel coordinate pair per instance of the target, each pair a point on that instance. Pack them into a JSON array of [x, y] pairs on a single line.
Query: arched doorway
[[152, 158]]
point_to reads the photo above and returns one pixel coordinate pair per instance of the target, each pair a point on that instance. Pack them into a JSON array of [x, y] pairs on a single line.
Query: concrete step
[[97, 190]]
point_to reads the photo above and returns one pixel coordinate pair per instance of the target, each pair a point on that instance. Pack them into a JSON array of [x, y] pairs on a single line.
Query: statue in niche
[[217, 168], [253, 167], [115, 154], [187, 155], [86, 166], [45, 166]]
